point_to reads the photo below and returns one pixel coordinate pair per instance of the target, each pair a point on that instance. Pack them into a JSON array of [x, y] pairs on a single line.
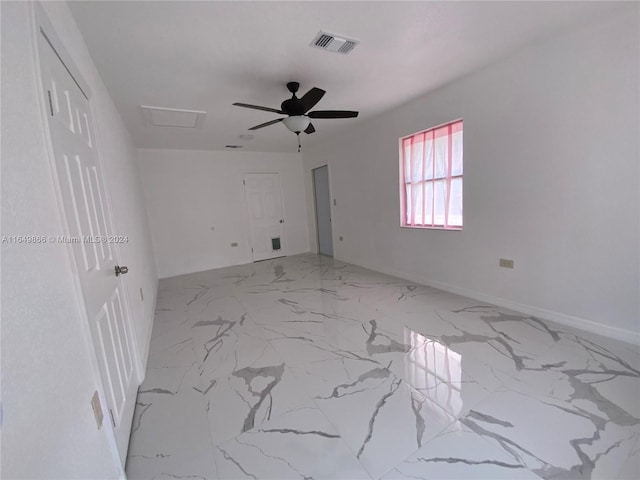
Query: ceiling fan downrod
[[293, 87]]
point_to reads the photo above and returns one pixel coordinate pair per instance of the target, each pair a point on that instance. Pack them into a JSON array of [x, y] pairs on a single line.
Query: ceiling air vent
[[333, 43]]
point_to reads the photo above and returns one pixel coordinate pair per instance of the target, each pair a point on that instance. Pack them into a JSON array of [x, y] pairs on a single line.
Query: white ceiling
[[207, 55]]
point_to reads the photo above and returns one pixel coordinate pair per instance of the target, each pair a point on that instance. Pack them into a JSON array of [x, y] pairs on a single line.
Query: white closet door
[[263, 192], [89, 223]]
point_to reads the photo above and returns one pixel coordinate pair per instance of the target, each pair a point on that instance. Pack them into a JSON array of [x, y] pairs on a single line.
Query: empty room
[[369, 240]]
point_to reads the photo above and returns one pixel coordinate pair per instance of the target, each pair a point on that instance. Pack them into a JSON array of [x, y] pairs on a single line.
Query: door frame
[[44, 32], [315, 207], [247, 215]]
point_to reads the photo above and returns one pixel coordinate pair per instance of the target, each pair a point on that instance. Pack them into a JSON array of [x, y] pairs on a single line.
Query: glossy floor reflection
[[305, 367]]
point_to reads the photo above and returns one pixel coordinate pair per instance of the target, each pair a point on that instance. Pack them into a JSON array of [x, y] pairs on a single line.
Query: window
[[431, 178]]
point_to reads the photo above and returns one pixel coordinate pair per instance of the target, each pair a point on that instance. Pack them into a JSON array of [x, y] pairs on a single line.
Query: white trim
[[180, 272], [315, 207], [313, 234], [616, 333], [144, 354]]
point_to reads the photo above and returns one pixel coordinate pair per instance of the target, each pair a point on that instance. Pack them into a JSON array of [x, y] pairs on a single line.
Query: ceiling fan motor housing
[[292, 106]]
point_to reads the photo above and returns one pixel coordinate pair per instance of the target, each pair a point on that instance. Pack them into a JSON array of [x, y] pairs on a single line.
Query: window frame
[[423, 181]]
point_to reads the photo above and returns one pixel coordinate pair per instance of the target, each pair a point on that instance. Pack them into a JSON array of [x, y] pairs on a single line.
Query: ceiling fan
[[297, 111]]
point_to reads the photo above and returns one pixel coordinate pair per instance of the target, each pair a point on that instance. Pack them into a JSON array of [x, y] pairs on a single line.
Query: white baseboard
[[561, 318], [187, 271], [147, 343]]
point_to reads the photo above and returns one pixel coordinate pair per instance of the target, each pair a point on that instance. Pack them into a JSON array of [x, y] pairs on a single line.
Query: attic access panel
[[171, 117]]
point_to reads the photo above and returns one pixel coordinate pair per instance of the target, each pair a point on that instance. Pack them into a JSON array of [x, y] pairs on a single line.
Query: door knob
[[121, 270]]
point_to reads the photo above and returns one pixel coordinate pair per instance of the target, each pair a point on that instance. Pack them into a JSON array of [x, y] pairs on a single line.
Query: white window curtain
[[431, 183]]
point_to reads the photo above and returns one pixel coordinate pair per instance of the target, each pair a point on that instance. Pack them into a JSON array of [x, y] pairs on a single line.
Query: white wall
[[190, 192], [48, 428], [551, 181]]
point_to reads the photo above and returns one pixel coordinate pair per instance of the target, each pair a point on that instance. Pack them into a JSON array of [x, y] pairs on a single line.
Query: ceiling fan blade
[[266, 124], [312, 97], [310, 129], [332, 114], [258, 107]]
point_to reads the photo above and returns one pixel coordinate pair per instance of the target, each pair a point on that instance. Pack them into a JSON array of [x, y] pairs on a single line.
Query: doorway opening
[[323, 210]]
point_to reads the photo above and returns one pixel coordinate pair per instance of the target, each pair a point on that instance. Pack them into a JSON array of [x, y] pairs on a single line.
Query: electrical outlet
[[97, 409], [505, 263], [141, 295], [234, 244]]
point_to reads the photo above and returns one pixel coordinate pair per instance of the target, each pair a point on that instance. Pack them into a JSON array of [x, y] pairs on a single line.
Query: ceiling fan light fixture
[[296, 123]]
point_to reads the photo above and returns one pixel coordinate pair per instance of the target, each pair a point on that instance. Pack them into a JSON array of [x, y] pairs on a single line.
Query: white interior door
[[263, 192], [89, 224], [323, 210]]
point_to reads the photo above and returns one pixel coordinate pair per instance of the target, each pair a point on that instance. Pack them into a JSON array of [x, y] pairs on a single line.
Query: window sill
[[426, 227]]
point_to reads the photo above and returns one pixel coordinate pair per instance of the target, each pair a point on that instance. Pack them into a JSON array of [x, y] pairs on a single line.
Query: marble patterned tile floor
[[309, 368]]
